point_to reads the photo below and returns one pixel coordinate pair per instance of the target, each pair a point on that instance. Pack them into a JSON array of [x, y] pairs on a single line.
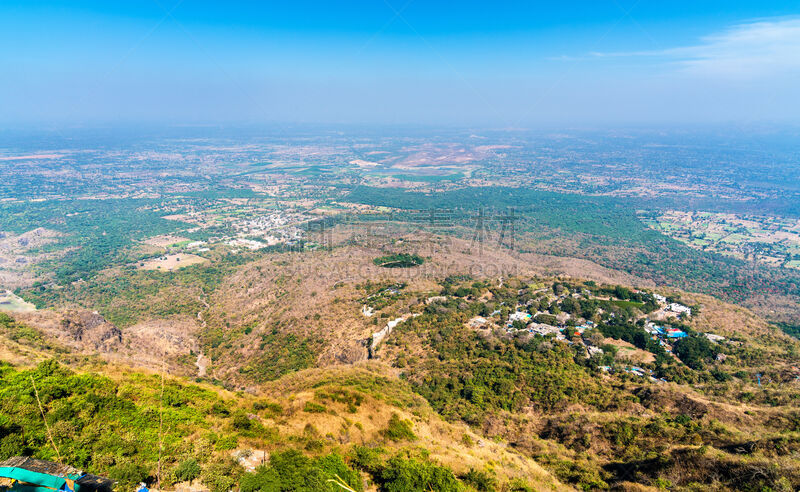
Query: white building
[[519, 316], [714, 338], [679, 308], [542, 329], [594, 350]]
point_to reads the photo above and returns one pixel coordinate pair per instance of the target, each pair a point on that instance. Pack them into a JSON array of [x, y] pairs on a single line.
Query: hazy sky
[[506, 64]]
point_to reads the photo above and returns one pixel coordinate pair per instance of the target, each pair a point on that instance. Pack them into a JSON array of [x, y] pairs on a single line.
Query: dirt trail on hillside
[[202, 361]]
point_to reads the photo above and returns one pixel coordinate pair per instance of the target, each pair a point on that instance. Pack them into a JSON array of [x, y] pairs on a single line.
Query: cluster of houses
[[673, 307], [281, 226], [543, 329], [272, 229], [520, 321], [250, 244], [661, 332], [669, 334], [665, 335]]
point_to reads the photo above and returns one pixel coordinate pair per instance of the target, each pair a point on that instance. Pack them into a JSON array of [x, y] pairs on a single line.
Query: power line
[[41, 410]]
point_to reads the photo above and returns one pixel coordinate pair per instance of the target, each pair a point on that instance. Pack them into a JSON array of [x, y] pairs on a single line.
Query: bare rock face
[[90, 330], [351, 353], [161, 344], [163, 338], [344, 352]]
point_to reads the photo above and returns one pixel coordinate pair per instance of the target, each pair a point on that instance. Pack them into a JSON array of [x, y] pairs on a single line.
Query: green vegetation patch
[[398, 429], [103, 426], [279, 353], [25, 334], [466, 376], [98, 232], [130, 295], [789, 329], [399, 260], [606, 230], [404, 471], [292, 470]]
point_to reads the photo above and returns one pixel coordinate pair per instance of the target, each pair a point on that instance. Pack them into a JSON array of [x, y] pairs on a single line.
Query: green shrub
[[547, 319], [402, 475], [399, 260], [694, 351], [353, 399], [241, 421], [226, 443], [293, 471], [221, 476], [187, 471], [272, 409], [479, 480], [368, 459], [518, 485], [128, 474], [398, 429], [312, 407]]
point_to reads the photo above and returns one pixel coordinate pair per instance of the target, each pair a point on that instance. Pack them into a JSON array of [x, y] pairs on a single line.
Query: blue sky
[[506, 64]]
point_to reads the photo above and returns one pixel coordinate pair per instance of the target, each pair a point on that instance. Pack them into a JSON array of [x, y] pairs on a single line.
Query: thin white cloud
[[757, 49], [750, 50]]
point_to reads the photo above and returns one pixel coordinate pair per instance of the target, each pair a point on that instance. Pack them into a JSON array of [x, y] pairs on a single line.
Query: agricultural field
[[771, 240], [13, 303], [165, 241]]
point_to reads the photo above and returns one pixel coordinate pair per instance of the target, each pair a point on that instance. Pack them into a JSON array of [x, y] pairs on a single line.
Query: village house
[[543, 329], [592, 350], [675, 333], [519, 316], [679, 309]]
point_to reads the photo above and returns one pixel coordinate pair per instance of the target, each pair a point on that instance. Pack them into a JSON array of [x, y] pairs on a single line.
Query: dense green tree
[[695, 351]]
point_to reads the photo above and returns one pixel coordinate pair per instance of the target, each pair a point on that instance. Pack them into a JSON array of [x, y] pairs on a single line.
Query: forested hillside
[[605, 230]]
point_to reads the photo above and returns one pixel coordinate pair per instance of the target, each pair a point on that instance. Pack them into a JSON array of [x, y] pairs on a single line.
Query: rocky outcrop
[[156, 344], [90, 329]]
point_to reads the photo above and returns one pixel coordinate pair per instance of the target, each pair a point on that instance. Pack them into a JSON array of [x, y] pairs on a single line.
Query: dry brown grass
[[164, 241], [313, 293], [21, 355], [629, 352], [445, 441], [169, 263]]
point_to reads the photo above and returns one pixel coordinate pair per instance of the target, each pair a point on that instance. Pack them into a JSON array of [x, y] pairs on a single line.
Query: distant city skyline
[[513, 64]]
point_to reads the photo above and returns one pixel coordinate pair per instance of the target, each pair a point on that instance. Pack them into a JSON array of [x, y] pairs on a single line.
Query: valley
[[394, 315]]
